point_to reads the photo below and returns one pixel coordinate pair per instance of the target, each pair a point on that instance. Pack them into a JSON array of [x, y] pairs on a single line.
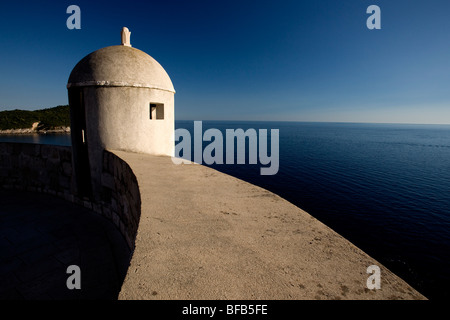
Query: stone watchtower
[[120, 99]]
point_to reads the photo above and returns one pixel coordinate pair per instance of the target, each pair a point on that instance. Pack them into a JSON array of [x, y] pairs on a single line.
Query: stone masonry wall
[[120, 198], [48, 169]]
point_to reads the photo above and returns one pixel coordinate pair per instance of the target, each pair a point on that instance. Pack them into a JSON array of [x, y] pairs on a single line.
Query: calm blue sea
[[384, 187]]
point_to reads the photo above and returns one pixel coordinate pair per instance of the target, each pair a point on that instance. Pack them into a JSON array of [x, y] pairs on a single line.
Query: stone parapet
[[48, 169]]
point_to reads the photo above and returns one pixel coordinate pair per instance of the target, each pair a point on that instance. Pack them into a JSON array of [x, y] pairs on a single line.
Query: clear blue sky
[[246, 60]]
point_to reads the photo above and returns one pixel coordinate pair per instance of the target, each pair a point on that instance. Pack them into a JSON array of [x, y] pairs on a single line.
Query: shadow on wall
[[42, 237], [48, 169]]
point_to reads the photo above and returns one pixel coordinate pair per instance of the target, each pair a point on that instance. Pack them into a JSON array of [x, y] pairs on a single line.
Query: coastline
[[34, 131]]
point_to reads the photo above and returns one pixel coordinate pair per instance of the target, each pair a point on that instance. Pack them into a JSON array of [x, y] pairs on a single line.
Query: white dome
[[120, 66]]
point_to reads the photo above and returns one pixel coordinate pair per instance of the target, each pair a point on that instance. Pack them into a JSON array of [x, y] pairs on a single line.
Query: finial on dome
[[126, 37]]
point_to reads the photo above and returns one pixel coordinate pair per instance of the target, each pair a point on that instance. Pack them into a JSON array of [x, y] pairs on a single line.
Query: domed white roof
[[120, 66]]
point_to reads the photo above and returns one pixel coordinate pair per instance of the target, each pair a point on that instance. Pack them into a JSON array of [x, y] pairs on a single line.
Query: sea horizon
[[336, 122]]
